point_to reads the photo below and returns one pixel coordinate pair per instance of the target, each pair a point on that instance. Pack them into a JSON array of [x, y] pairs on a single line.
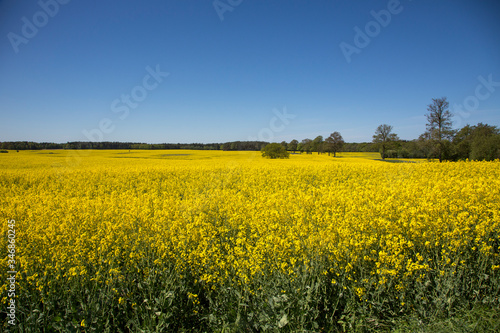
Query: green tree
[[439, 125], [486, 148], [305, 145], [293, 145], [317, 144], [462, 142], [334, 143], [384, 138], [480, 142], [274, 150], [284, 144]]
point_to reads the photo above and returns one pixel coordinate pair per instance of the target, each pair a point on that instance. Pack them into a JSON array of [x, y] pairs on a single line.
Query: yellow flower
[[233, 219]]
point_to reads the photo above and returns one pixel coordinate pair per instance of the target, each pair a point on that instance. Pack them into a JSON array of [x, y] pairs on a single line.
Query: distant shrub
[[3, 151], [274, 150]]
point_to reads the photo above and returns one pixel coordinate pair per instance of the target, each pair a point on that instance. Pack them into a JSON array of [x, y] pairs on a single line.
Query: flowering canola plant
[[206, 239]]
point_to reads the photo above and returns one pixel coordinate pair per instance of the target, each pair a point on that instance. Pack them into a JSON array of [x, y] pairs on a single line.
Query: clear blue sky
[[74, 66]]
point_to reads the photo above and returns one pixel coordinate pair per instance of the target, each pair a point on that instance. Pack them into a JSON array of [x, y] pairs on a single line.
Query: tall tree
[[439, 124], [305, 145], [334, 143], [317, 144], [462, 142], [293, 145], [284, 144], [384, 138]]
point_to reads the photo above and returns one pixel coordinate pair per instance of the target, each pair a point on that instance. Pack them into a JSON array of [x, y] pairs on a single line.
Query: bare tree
[[439, 124], [383, 138], [334, 143]]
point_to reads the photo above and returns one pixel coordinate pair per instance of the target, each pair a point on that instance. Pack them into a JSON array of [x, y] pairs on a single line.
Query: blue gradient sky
[[228, 78]]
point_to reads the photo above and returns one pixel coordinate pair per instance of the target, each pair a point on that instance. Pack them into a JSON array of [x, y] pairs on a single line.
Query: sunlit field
[[183, 240]]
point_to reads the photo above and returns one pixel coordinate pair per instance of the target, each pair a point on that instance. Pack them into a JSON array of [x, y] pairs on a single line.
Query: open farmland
[[210, 241]]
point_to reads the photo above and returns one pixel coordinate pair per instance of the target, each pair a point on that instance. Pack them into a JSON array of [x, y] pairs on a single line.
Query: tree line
[[439, 141], [28, 145], [233, 145]]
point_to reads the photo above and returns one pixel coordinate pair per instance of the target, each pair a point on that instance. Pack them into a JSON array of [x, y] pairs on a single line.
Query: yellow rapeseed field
[[211, 240]]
